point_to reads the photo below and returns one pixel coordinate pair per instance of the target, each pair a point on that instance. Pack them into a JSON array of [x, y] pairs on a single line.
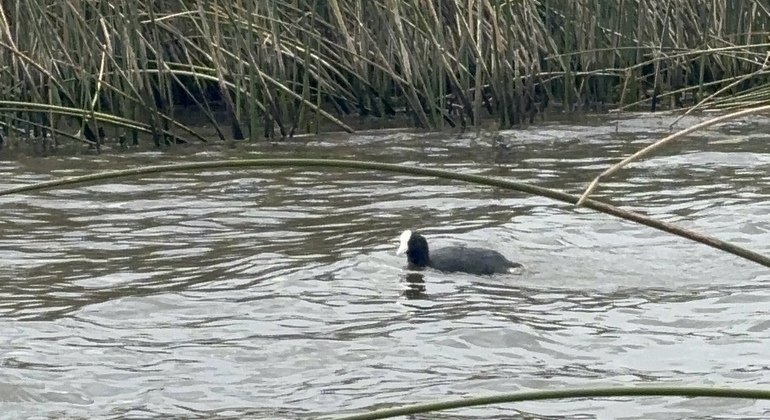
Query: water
[[275, 293]]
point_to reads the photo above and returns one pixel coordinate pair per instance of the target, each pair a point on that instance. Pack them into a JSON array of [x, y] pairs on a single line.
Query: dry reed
[[278, 68]]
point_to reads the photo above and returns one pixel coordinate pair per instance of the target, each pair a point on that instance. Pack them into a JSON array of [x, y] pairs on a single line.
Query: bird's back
[[470, 260]]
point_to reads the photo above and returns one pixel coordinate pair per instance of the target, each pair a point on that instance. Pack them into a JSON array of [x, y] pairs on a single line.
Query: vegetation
[[436, 173], [573, 393], [281, 67]]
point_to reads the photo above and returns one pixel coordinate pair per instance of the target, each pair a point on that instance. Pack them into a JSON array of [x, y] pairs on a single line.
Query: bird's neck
[[419, 259]]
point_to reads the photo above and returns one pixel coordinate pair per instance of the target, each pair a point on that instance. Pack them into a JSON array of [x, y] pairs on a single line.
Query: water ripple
[[275, 293]]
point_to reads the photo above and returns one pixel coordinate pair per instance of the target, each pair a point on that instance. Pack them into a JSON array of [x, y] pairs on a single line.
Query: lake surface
[[275, 293]]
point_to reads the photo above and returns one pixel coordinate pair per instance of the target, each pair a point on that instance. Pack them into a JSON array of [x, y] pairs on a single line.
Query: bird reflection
[[415, 286]]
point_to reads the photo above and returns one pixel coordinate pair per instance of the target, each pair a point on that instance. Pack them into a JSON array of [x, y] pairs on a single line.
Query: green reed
[[429, 172], [540, 395], [277, 68]]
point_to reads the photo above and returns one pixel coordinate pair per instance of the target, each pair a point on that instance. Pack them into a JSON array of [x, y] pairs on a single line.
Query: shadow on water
[[415, 287], [275, 293]]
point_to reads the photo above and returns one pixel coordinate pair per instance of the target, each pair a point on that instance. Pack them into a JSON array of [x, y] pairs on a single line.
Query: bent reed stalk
[[429, 172], [633, 391], [274, 68], [662, 142]]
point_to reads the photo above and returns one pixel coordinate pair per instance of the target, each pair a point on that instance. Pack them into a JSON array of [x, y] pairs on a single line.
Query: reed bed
[[127, 69]]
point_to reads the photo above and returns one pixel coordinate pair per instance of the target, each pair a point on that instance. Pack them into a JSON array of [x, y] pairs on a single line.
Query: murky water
[[276, 293]]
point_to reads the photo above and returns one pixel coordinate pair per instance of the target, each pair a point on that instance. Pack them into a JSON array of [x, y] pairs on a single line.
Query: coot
[[464, 259]]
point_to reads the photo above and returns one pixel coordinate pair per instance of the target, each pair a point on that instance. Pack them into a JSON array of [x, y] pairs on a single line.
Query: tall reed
[[275, 68]]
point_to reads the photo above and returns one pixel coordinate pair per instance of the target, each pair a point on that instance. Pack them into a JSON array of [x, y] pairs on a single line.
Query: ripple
[[275, 293]]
